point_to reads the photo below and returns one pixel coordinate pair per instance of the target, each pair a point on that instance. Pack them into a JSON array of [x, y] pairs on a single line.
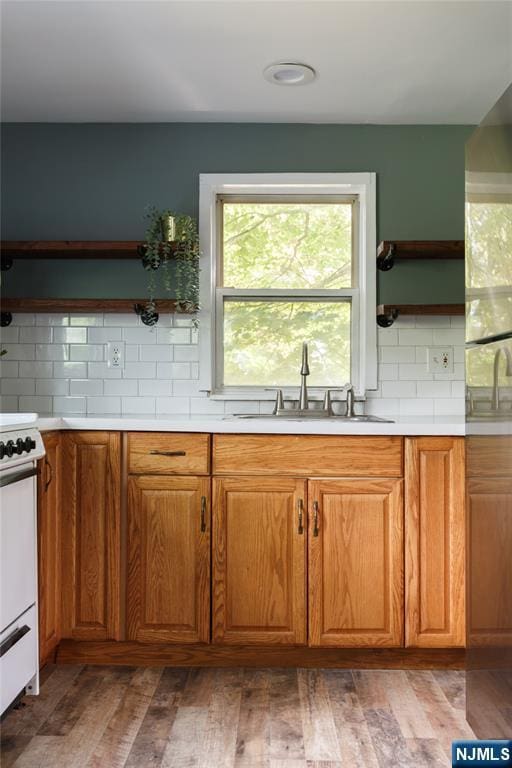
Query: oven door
[[17, 542]]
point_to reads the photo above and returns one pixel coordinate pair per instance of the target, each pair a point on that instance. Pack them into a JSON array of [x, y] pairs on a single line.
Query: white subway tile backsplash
[[155, 387], [416, 407], [18, 387], [69, 370], [156, 352], [87, 352], [433, 388], [397, 354], [388, 371], [86, 387], [179, 405], [173, 335], [141, 335], [24, 318], [58, 364], [121, 320], [140, 371], [20, 351], [69, 404], [121, 387], [9, 403], [39, 370], [35, 334], [414, 372], [398, 389], [52, 386], [52, 352], [186, 353], [102, 335], [458, 321], [70, 335], [102, 371], [173, 370], [414, 336], [10, 334], [138, 405], [104, 404], [10, 368], [36, 403], [87, 320], [54, 319]]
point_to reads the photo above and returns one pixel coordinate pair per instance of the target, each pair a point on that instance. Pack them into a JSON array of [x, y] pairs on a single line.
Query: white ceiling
[[145, 61]]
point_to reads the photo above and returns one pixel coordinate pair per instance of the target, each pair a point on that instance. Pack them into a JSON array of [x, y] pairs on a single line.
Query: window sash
[[272, 296]]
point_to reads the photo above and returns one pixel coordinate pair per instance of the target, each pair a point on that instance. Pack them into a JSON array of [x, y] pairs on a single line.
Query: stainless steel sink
[[312, 417]]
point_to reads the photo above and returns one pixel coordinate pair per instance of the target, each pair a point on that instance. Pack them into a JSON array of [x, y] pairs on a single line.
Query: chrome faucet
[[304, 372], [508, 372]]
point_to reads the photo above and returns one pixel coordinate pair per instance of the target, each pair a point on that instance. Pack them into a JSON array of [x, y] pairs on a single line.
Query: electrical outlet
[[115, 354], [440, 360]]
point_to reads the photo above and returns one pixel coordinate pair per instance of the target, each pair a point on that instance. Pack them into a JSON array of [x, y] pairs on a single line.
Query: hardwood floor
[[110, 717]]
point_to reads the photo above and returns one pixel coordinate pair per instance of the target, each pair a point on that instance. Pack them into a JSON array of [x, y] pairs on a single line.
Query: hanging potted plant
[[171, 237]]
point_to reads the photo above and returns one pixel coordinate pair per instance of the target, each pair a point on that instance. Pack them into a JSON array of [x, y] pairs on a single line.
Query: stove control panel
[[20, 444]]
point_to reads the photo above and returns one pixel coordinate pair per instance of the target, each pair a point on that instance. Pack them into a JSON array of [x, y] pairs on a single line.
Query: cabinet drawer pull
[[315, 518], [300, 510], [203, 514], [168, 453]]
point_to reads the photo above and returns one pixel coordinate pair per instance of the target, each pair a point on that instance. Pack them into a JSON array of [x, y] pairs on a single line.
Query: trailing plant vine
[[171, 237]]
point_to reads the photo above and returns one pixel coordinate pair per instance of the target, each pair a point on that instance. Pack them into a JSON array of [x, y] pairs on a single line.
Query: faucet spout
[[508, 372], [304, 372]]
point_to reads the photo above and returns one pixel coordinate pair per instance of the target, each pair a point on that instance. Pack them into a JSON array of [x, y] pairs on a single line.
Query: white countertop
[[402, 425]]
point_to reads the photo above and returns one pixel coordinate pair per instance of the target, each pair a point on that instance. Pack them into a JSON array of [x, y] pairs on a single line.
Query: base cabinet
[[259, 561], [168, 574], [355, 563], [49, 546], [435, 538], [91, 546]]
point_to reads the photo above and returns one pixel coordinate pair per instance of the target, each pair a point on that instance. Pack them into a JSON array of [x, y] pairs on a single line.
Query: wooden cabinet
[[168, 580], [355, 562], [434, 548], [168, 453], [91, 492], [49, 542], [259, 559]]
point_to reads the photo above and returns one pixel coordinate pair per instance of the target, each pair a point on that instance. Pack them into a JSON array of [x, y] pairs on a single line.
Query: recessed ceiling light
[[289, 73]]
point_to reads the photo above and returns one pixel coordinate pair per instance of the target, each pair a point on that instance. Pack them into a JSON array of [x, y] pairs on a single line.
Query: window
[[286, 261]]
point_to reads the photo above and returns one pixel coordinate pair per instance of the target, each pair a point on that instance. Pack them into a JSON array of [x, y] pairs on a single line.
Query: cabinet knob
[[315, 518]]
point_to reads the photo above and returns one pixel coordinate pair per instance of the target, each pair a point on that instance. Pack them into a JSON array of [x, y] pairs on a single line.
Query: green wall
[[93, 181]]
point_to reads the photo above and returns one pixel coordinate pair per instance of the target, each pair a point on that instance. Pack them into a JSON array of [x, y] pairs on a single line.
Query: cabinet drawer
[[335, 456], [168, 453]]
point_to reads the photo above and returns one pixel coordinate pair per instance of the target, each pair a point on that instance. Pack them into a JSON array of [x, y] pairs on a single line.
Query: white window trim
[[364, 329]]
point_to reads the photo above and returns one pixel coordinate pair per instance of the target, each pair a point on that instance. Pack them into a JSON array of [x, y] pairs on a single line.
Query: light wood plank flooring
[[109, 717]]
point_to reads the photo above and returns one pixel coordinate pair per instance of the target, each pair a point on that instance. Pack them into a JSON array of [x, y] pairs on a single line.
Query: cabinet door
[[434, 542], [259, 552], [91, 489], [168, 589], [49, 541], [355, 562]]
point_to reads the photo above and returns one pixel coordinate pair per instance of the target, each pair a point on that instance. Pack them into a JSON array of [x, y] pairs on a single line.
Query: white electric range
[[20, 447]]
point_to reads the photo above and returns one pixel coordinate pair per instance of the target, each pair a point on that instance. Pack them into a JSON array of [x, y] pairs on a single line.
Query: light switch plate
[[440, 360]]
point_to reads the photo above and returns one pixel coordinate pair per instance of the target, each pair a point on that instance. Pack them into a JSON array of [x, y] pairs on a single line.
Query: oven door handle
[[14, 638], [16, 477]]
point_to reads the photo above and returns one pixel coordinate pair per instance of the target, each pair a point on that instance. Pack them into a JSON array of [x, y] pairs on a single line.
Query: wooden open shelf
[[388, 313], [82, 305], [70, 249], [390, 250]]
